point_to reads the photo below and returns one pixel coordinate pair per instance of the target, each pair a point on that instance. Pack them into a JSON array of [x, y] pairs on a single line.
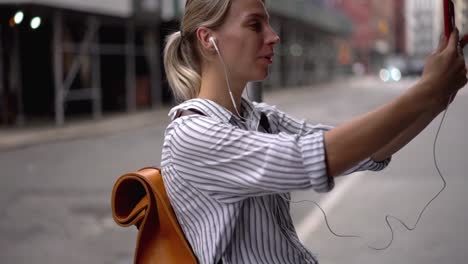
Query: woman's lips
[[268, 59]]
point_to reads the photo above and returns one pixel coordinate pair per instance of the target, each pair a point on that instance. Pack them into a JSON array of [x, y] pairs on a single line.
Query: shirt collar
[[215, 110]]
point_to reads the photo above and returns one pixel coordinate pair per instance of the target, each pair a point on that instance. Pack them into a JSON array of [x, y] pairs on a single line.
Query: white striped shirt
[[228, 180]]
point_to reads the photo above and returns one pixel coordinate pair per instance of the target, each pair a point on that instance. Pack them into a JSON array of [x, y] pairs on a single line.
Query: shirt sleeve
[[231, 164], [288, 124]]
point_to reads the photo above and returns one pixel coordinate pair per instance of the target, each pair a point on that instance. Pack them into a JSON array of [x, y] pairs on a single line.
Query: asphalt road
[[55, 196]]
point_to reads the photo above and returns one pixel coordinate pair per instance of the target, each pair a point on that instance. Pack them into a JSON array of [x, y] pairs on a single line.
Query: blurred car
[[396, 67]]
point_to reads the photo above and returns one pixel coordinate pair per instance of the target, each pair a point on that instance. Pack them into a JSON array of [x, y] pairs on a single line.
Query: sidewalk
[[19, 137]]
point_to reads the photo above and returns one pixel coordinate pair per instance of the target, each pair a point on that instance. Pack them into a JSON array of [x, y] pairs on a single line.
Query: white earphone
[[213, 40]]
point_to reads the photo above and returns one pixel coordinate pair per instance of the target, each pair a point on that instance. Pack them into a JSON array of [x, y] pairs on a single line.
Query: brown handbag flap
[[140, 199]]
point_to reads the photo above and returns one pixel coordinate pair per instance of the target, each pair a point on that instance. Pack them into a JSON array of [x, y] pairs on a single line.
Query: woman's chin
[[260, 75]]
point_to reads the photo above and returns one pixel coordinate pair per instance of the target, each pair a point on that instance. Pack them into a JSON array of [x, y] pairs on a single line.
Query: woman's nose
[[276, 39], [273, 38]]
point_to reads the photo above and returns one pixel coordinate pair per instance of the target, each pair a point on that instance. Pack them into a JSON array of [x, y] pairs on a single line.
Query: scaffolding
[[2, 86], [92, 48]]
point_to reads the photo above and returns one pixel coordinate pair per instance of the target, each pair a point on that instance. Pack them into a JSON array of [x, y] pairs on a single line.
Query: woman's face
[[246, 40]]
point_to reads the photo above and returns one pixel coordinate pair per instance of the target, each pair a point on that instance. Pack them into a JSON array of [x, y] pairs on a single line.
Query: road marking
[[311, 221]]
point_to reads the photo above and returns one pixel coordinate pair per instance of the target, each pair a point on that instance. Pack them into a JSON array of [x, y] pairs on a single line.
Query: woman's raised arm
[[443, 76]]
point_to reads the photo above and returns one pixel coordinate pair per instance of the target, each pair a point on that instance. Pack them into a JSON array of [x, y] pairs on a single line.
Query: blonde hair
[[182, 61]]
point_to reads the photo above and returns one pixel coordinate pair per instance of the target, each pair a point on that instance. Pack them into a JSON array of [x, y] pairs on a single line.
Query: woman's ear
[[203, 37]]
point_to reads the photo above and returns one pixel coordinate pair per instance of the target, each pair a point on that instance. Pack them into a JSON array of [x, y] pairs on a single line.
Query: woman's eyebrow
[[262, 16]]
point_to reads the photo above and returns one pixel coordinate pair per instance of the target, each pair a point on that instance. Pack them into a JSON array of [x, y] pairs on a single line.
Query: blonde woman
[[229, 165]]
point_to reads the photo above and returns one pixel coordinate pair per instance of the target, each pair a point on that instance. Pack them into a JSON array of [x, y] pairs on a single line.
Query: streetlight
[[35, 22], [18, 18]]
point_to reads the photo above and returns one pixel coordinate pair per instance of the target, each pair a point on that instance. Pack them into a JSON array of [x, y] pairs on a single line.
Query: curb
[[27, 136]]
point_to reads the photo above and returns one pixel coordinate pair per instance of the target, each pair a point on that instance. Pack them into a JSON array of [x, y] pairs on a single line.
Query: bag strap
[[189, 112], [264, 123]]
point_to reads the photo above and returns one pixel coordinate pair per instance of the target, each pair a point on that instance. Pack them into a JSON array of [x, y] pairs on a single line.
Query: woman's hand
[[444, 73]]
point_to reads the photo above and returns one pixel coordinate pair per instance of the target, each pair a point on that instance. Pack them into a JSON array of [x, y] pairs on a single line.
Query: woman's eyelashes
[[256, 26]]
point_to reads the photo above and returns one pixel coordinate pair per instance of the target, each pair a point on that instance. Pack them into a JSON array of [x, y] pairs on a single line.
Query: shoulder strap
[[189, 112], [264, 123]]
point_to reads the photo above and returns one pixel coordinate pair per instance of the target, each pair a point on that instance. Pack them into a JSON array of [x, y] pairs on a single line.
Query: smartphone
[[449, 17]]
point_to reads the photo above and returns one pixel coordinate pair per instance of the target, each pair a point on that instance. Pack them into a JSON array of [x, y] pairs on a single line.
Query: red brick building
[[378, 29]]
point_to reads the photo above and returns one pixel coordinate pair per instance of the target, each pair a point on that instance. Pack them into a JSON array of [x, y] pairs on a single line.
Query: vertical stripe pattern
[[228, 180]]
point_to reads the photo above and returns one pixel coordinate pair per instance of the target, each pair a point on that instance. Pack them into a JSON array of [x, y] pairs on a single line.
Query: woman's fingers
[[442, 44], [453, 42], [460, 74], [464, 41], [459, 64]]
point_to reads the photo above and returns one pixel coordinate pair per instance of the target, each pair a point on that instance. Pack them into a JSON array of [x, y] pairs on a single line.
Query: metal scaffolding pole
[[63, 93], [2, 87], [275, 77], [155, 66], [130, 67], [295, 66], [254, 91], [283, 55], [58, 68], [16, 79], [302, 58], [304, 49], [96, 77], [83, 50]]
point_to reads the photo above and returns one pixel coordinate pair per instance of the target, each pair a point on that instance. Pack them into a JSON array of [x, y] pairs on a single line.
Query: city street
[[55, 195]]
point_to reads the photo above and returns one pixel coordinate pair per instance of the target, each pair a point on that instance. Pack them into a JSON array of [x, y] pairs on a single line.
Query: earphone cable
[[444, 185], [226, 75], [387, 217]]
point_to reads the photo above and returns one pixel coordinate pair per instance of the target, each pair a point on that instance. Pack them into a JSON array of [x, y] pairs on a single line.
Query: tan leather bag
[[140, 199]]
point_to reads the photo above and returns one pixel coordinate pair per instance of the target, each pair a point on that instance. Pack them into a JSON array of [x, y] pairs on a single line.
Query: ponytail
[[182, 67], [182, 55]]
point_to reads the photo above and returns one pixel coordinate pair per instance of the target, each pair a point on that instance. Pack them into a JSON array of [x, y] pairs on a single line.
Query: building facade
[[424, 26], [63, 58], [461, 15], [313, 45], [377, 29]]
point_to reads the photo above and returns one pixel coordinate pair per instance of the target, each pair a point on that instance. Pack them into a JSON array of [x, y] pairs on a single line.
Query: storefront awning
[[119, 8]]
